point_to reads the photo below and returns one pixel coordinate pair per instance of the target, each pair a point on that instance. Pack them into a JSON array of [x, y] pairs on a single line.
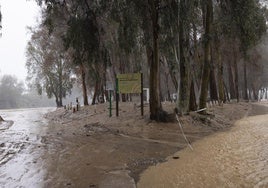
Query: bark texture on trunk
[[236, 74], [192, 103], [156, 112], [231, 81], [84, 87], [220, 78], [213, 86], [245, 82], [207, 56], [184, 87]]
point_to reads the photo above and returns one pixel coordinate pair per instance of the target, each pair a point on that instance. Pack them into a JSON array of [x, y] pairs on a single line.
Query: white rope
[[200, 110], [183, 133]]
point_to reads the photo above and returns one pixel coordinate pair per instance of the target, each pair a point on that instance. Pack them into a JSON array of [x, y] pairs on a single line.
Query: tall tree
[[48, 66], [149, 14], [82, 31], [207, 53], [155, 103], [251, 25], [184, 47]]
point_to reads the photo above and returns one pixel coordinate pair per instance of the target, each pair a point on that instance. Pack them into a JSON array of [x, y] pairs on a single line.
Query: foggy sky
[[16, 16]]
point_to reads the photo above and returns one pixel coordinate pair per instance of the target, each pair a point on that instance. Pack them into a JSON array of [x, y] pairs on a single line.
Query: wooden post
[[110, 103], [117, 98], [142, 111]]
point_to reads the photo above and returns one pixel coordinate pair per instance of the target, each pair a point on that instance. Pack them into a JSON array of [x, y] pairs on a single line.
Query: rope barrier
[[183, 133], [200, 110]]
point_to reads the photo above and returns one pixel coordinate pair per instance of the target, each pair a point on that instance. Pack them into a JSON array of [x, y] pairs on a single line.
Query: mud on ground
[[90, 149]]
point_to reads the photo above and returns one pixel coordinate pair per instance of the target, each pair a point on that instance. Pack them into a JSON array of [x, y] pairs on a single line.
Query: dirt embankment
[[90, 149]]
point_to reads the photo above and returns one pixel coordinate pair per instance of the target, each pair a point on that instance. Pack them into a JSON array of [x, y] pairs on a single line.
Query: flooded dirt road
[[90, 149], [21, 147], [236, 158]]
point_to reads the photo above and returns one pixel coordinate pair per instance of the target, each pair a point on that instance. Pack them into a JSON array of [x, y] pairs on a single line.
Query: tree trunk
[[84, 87], [207, 57], [220, 78], [167, 85], [226, 95], [245, 81], [255, 92], [192, 102], [184, 91], [231, 81], [96, 90], [236, 75], [213, 84], [57, 102], [60, 85], [155, 103]]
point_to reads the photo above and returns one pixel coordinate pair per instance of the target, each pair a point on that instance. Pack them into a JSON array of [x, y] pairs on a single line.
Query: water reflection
[[20, 148]]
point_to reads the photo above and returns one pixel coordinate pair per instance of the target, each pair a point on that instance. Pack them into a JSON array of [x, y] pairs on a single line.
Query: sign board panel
[[129, 83]]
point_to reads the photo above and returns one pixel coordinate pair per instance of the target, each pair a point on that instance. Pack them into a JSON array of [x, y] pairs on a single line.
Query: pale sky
[[16, 16]]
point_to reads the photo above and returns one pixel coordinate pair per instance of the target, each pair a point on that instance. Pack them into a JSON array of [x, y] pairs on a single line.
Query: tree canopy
[[199, 46], [48, 65]]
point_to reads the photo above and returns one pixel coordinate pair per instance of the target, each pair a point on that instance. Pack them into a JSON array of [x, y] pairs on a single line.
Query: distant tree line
[[13, 95], [202, 49]]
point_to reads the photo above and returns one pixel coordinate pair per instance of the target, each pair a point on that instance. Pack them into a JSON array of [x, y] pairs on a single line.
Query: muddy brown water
[[236, 158], [35, 153]]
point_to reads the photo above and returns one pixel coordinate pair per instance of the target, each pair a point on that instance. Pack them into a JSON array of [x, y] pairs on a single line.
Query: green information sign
[[129, 83]]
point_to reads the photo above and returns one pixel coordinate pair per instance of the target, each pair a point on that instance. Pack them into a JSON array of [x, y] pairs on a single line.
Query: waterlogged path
[[236, 158], [21, 147]]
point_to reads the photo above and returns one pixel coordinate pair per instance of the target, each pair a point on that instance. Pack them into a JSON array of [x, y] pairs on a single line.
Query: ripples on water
[[237, 158], [20, 148]]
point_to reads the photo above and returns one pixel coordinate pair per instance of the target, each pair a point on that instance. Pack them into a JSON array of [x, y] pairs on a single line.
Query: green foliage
[[121, 34], [48, 65], [82, 36], [245, 20]]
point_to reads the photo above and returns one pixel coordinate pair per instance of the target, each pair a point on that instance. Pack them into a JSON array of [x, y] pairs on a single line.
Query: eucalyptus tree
[[147, 18], [149, 14], [241, 25], [48, 65], [207, 53], [83, 32], [251, 25], [188, 11]]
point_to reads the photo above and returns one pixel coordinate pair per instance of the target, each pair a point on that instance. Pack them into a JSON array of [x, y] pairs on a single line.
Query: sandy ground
[[90, 149], [237, 158]]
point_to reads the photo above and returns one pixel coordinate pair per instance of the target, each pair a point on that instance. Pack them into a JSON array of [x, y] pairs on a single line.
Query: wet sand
[[236, 158], [89, 149]]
